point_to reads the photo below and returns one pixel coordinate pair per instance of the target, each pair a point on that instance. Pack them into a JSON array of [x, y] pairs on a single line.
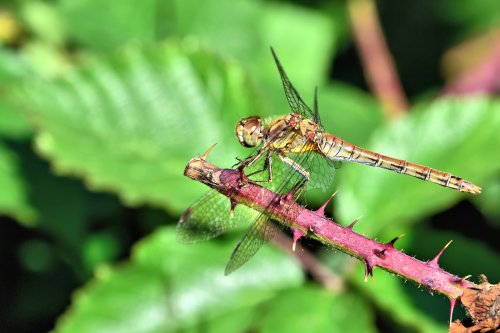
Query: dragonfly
[[307, 156]]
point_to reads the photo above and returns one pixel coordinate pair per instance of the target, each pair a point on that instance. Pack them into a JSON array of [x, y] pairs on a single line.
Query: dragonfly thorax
[[249, 131]]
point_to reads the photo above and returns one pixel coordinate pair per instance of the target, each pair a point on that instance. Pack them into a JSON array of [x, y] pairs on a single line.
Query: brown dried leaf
[[483, 306]]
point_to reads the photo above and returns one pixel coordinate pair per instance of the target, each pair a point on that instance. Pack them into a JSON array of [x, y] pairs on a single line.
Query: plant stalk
[[314, 224]]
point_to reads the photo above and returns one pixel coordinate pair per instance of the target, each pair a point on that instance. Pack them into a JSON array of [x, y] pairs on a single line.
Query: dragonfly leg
[[302, 184], [295, 166], [249, 161], [267, 166]]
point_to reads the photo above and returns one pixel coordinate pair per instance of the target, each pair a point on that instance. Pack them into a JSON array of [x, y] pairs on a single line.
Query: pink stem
[[283, 209], [378, 64]]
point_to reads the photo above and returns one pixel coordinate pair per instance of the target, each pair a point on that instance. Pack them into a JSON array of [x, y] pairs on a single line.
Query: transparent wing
[[321, 170], [261, 231], [294, 100], [263, 228], [209, 217]]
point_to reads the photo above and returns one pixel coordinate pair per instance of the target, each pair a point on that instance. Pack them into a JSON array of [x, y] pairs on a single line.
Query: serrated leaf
[[167, 286], [453, 135], [130, 123], [13, 189], [310, 309]]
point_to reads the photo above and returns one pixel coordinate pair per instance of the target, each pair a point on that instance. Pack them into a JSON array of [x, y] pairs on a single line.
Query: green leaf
[[130, 123], [67, 213], [107, 25], [44, 21], [209, 23], [395, 298], [304, 47], [239, 320], [14, 191], [453, 135], [12, 122], [167, 286], [310, 309], [249, 31]]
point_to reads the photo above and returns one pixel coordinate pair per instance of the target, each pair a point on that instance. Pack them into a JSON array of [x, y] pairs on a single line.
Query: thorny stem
[[372, 253], [377, 61]]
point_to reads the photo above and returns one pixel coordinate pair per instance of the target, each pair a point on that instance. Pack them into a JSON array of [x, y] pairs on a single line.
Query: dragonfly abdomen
[[337, 149]]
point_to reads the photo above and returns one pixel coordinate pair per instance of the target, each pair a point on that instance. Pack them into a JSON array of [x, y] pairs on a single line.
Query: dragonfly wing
[[294, 100], [262, 230], [321, 170], [209, 217]]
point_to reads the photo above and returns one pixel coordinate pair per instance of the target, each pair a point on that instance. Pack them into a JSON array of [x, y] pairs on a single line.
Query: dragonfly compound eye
[[249, 131]]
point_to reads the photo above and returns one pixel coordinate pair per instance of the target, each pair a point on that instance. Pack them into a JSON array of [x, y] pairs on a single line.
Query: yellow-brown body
[[295, 134]]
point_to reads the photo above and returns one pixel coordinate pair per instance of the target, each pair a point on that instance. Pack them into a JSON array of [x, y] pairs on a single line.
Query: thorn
[[394, 240], [297, 234], [434, 262], [460, 281], [233, 206], [321, 210], [453, 302], [205, 155], [368, 270], [350, 226], [380, 253]]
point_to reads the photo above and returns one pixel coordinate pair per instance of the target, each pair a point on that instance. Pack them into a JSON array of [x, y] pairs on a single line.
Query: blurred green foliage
[[103, 103]]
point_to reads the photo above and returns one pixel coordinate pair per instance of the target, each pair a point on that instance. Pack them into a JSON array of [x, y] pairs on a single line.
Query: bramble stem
[[283, 208]]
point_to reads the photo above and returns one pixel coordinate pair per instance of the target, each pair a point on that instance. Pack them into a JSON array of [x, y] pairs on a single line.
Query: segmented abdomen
[[338, 149]]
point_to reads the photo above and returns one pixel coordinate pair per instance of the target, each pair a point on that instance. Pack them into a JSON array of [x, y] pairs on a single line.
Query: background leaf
[[183, 287], [147, 111], [310, 308]]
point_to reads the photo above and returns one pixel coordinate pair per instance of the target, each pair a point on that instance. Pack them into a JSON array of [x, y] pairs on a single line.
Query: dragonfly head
[[249, 131]]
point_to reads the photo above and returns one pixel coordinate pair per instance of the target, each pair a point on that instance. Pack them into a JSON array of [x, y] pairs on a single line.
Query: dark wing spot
[[185, 215]]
